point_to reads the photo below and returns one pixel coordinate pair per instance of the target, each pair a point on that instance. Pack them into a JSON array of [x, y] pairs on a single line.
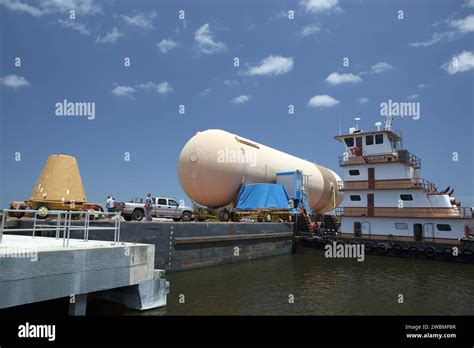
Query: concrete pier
[[41, 268]]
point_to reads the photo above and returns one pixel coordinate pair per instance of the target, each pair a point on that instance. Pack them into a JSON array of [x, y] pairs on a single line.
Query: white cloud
[[206, 42], [166, 45], [319, 6], [461, 27], [161, 88], [17, 6], [128, 91], [110, 37], [81, 28], [434, 39], [241, 99], [413, 97], [309, 30], [164, 88], [421, 85], [470, 3], [462, 62], [141, 20], [83, 7], [272, 66], [380, 68], [322, 101], [465, 25], [205, 92], [337, 79], [363, 100], [437, 37], [280, 15], [14, 81], [123, 91], [231, 83]]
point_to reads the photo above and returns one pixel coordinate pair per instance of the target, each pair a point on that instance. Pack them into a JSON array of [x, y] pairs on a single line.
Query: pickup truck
[[162, 208]]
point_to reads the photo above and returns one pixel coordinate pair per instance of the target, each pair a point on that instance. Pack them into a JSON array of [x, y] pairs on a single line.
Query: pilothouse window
[[369, 140], [349, 142], [379, 138], [355, 198], [354, 172]]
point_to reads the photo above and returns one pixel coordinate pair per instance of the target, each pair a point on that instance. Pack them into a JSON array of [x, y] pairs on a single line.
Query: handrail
[[402, 183], [63, 224], [405, 155]]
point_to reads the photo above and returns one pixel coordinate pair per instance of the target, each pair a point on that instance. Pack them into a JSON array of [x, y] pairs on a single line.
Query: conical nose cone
[[60, 180]]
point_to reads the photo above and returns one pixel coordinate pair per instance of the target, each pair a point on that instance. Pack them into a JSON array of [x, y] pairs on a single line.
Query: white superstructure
[[385, 197]]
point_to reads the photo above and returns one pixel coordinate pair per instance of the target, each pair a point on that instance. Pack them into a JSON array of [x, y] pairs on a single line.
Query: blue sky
[[190, 62]]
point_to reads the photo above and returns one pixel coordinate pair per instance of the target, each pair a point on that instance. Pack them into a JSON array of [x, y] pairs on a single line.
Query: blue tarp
[[262, 196]]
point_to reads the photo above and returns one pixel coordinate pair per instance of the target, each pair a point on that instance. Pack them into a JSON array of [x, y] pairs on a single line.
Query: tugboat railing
[[402, 156], [407, 156], [408, 183], [409, 212]]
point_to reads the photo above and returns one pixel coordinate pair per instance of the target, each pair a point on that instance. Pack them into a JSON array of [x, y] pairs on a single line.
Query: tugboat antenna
[[388, 122], [357, 119]]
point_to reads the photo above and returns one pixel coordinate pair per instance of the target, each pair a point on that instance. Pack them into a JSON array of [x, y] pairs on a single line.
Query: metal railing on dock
[[63, 223]]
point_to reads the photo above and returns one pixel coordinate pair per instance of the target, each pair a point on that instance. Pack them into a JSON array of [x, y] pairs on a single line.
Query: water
[[320, 286]]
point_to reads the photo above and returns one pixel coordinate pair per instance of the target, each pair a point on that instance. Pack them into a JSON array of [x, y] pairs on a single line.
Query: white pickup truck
[[162, 208]]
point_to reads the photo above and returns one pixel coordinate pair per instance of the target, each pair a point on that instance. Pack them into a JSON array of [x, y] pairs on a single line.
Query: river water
[[298, 284]]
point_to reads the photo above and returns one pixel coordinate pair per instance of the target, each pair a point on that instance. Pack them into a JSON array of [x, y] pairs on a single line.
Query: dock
[[39, 268]]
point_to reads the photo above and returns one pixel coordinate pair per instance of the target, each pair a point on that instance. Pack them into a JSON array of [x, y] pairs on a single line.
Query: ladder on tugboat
[[309, 223]]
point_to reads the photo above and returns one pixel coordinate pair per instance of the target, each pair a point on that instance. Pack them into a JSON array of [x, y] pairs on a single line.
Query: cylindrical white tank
[[214, 164]]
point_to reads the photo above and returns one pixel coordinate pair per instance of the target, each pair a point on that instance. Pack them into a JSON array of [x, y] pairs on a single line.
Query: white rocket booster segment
[[214, 164]]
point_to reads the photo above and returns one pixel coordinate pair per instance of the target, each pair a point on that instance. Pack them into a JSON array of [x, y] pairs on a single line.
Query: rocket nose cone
[[188, 166], [194, 169]]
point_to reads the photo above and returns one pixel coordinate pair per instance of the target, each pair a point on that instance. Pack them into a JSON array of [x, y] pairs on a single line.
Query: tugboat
[[389, 208]]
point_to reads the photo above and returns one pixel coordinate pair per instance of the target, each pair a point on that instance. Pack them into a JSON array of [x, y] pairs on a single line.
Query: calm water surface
[[322, 286]]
